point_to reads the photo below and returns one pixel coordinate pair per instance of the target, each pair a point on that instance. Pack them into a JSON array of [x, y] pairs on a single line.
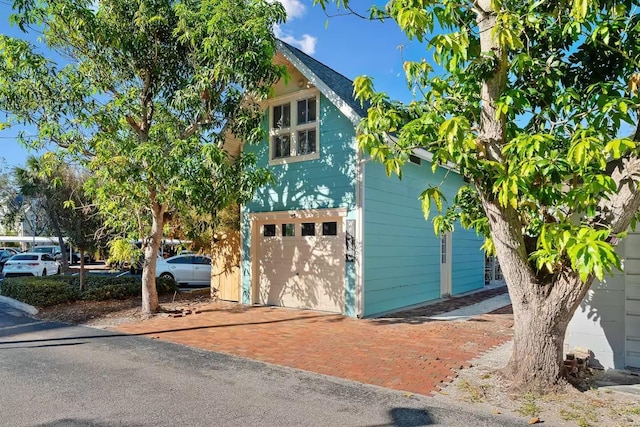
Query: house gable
[[325, 179], [306, 184]]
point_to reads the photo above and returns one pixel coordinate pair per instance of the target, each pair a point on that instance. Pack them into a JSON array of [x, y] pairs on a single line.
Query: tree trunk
[[540, 325], [83, 278], [55, 223], [151, 245], [541, 310]]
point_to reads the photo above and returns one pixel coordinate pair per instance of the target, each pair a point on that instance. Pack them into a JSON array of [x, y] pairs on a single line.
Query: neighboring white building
[[608, 320], [32, 223]]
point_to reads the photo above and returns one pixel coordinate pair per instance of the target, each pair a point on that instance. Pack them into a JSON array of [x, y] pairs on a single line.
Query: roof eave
[[325, 89]]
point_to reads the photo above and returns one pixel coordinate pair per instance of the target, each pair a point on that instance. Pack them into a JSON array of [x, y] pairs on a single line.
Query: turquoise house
[[335, 233]]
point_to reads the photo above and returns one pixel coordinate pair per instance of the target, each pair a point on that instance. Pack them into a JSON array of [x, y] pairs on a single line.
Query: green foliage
[[533, 103], [587, 248], [50, 182], [47, 291], [123, 250], [148, 94]]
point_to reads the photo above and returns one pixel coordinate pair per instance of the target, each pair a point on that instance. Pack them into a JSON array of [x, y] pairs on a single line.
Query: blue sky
[[348, 44]]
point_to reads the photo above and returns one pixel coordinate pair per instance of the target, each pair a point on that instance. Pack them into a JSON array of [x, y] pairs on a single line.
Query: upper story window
[[293, 130]]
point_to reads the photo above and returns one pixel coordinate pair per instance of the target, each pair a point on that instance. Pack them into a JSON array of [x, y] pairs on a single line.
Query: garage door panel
[[303, 271]]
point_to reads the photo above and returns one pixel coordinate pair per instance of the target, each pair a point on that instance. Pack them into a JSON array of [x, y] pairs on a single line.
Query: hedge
[[52, 290]]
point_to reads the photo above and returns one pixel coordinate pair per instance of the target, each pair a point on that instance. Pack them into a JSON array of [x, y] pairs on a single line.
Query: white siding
[[632, 306], [598, 323]]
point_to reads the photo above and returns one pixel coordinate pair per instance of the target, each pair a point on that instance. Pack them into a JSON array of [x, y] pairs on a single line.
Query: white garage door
[[301, 263]]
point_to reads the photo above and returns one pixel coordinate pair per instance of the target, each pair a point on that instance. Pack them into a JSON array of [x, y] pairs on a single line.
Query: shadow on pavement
[[114, 335]]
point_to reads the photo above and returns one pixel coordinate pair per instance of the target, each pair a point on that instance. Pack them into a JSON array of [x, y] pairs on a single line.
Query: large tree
[[536, 104], [147, 90]]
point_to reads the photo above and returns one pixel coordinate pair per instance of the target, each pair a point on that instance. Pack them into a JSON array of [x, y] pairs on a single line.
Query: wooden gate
[[225, 266]]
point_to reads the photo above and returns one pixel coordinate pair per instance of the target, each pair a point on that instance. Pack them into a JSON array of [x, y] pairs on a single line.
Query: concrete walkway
[[413, 354], [482, 307]]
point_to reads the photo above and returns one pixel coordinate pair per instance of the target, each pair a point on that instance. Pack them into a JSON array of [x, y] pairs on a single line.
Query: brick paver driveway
[[398, 353]]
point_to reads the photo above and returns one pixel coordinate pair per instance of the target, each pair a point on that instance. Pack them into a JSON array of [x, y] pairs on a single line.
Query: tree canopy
[[536, 103], [145, 91]]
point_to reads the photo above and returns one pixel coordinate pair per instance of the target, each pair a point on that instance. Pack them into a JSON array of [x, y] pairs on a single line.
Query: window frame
[[294, 128], [302, 229], [335, 230], [264, 228]]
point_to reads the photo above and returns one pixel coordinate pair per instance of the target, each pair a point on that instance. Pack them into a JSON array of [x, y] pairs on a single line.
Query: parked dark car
[[4, 256], [54, 251], [12, 251]]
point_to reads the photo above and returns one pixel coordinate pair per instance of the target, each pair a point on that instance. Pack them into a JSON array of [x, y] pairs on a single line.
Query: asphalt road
[[53, 374]]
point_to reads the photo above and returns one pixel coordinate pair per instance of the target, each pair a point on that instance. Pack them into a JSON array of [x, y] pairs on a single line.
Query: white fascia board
[[424, 155], [428, 156], [321, 85]]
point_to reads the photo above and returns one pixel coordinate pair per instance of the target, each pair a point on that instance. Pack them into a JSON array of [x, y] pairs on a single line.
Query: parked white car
[[31, 264], [186, 269]]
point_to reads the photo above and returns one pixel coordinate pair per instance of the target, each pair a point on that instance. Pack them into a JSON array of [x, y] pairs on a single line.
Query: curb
[[29, 309]]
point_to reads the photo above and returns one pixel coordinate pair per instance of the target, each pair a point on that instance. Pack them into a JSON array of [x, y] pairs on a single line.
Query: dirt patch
[[481, 386], [105, 314]]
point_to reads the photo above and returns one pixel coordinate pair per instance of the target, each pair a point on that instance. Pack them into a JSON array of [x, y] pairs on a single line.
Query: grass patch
[[635, 410], [473, 393], [529, 406], [583, 415]]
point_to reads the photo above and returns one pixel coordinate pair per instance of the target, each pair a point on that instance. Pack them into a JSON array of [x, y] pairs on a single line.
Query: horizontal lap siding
[[402, 253], [467, 270], [327, 182], [599, 323]]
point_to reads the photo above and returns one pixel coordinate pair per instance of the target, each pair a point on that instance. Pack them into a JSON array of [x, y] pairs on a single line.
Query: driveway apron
[[415, 355]]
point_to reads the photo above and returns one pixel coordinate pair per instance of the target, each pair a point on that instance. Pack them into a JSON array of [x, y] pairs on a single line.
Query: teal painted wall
[[467, 270], [328, 182], [401, 251]]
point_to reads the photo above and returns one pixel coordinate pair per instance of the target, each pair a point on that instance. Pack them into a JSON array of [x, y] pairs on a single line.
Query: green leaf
[[579, 9], [431, 193], [363, 88], [618, 147]]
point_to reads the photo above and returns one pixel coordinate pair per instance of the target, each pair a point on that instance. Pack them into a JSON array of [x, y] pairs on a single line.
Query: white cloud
[[305, 43], [295, 8]]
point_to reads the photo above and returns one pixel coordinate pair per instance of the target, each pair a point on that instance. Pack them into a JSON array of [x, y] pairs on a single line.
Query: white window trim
[[293, 129]]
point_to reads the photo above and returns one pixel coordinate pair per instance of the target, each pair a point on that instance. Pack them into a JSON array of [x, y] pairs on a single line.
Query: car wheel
[[167, 276]]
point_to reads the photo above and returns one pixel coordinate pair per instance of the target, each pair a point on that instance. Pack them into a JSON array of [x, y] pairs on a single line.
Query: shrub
[[52, 290], [107, 292], [166, 285], [39, 291]]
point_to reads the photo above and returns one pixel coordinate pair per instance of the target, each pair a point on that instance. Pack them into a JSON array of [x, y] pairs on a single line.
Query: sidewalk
[[411, 353]]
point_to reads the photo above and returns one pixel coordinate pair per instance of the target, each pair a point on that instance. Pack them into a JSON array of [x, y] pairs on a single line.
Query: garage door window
[[269, 230], [308, 229], [288, 230], [330, 228]]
